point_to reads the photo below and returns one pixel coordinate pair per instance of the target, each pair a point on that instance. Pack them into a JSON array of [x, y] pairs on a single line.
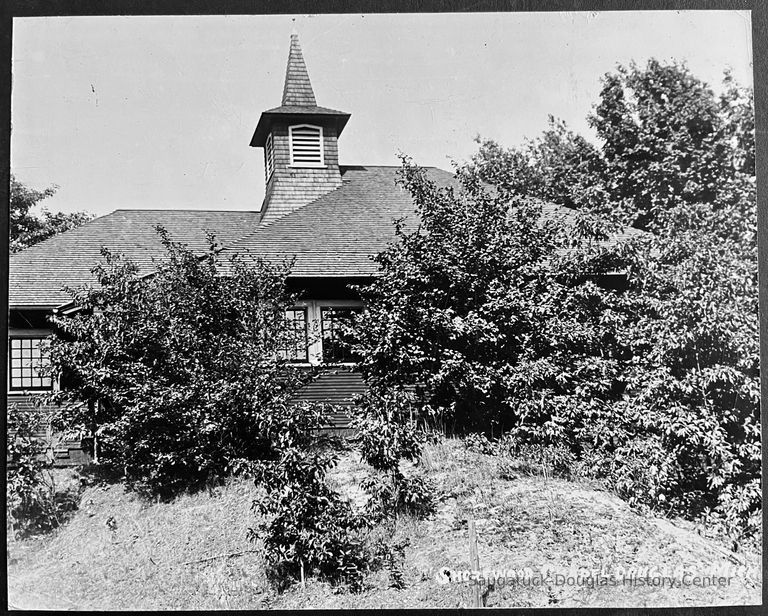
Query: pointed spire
[[297, 91]]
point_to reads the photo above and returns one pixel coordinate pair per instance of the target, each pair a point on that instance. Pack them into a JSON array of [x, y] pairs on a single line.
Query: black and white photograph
[[383, 310]]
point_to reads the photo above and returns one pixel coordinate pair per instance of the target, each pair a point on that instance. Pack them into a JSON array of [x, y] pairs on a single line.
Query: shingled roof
[[336, 234], [297, 90], [332, 236], [38, 274]]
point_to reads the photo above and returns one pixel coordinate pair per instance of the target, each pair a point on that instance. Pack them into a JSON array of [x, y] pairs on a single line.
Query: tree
[[493, 315], [176, 371], [469, 307], [28, 228], [665, 139]]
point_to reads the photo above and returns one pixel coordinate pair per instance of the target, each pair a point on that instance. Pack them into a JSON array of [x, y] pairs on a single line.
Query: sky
[[158, 112]]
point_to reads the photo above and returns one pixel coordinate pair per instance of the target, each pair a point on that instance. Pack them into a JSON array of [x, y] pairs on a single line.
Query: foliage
[[385, 428], [386, 434], [665, 140], [669, 141], [305, 526], [470, 311], [503, 313], [32, 502], [28, 228], [479, 443], [178, 368]]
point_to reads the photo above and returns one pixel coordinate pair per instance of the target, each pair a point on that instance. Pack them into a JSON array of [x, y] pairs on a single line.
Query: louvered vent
[[306, 146], [269, 156]]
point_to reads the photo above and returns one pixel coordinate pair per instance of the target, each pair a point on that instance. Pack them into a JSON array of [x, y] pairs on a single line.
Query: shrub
[[385, 429], [409, 494], [32, 501], [387, 434], [478, 443], [177, 368], [306, 527]]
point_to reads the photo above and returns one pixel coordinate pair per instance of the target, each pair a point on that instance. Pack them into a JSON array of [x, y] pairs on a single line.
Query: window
[[29, 361], [334, 323], [269, 156], [306, 144], [296, 347]]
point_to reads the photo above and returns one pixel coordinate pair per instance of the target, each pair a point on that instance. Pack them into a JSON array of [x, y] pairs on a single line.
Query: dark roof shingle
[[333, 236], [38, 274], [336, 234], [297, 90]]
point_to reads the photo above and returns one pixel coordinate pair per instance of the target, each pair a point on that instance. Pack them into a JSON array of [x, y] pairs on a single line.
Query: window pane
[[29, 360], [337, 339], [297, 343]]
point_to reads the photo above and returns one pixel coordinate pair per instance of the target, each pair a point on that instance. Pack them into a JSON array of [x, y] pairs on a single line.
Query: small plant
[[392, 555], [478, 443], [32, 501], [412, 495], [307, 529], [387, 434]]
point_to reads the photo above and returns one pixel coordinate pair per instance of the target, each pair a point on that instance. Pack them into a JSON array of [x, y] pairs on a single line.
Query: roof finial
[[297, 91]]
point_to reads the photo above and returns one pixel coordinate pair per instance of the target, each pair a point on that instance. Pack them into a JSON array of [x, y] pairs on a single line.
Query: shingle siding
[[297, 89], [290, 188]]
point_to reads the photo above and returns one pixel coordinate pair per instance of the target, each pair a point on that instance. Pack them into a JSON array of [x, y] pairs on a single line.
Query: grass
[[119, 552]]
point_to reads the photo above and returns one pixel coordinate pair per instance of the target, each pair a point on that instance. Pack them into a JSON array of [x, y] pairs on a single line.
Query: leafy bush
[[32, 500], [177, 368], [386, 434], [410, 494], [478, 443], [505, 315], [306, 527], [385, 429]]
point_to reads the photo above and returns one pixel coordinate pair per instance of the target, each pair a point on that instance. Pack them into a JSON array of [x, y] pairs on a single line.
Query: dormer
[[300, 141]]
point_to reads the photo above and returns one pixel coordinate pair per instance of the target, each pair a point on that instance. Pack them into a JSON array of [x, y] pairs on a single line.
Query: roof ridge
[[178, 209], [393, 167]]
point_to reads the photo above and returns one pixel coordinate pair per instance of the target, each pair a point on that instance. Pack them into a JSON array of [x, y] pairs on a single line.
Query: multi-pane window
[[269, 156], [296, 343], [29, 362], [337, 338], [306, 145]]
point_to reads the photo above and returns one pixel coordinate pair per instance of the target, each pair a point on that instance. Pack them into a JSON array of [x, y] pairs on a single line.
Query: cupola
[[300, 142]]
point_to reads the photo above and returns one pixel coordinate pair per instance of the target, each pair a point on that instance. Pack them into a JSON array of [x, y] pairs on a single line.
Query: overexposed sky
[[158, 112]]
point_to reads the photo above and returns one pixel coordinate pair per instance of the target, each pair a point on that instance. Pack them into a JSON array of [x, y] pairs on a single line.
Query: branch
[[209, 558]]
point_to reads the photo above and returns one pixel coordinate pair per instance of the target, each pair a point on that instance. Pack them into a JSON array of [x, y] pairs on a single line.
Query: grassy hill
[[119, 552]]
